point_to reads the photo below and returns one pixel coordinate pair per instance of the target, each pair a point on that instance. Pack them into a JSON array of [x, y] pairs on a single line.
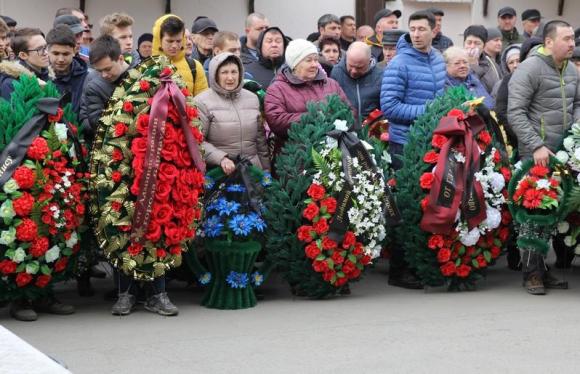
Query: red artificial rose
[[384, 137], [348, 267], [457, 113], [533, 199], [365, 260], [426, 180], [484, 137], [448, 269], [22, 279], [424, 203], [120, 129], [185, 92], [24, 177], [392, 182], [39, 246], [161, 253], [153, 232], [23, 205], [162, 213], [134, 249], [481, 261], [56, 117], [303, 233], [320, 266], [128, 107], [175, 250], [496, 156], [358, 249], [311, 211], [312, 251], [116, 206], [166, 72], [143, 124], [539, 171], [348, 240], [328, 275], [116, 176], [27, 231], [38, 150], [504, 234], [173, 233], [438, 141], [191, 112], [435, 241], [321, 227], [7, 267], [463, 271], [337, 258], [340, 281], [61, 264], [431, 157], [42, 281], [495, 252], [167, 172], [507, 174], [162, 191], [328, 243], [117, 155], [139, 146], [316, 191], [443, 255], [144, 85], [169, 151], [330, 204], [197, 135], [506, 217]]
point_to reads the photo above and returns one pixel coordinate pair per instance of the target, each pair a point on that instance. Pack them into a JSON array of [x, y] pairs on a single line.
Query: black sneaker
[[534, 285], [52, 306], [161, 304], [406, 280], [22, 310], [552, 282], [124, 305]]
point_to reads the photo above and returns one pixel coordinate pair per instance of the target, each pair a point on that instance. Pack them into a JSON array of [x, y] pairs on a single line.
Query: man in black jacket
[[440, 41], [271, 47], [70, 71]]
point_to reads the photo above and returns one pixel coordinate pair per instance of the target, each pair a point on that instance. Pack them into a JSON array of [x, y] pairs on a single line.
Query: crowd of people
[[530, 79]]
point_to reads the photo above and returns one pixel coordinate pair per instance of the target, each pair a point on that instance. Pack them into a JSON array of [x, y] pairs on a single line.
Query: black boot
[[84, 287], [564, 254], [405, 279], [534, 269]]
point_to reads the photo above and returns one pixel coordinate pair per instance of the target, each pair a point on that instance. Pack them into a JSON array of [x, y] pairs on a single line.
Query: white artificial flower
[[562, 156], [568, 241], [569, 144], [577, 250], [459, 157], [11, 186], [367, 146], [577, 153], [61, 131], [578, 178], [32, 268], [341, 125], [497, 182], [331, 142], [73, 240], [7, 237], [469, 238], [52, 254], [563, 227], [493, 219], [518, 165], [19, 255], [543, 184]]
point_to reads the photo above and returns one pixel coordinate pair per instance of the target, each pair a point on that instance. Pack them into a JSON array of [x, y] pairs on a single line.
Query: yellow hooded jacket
[[196, 85]]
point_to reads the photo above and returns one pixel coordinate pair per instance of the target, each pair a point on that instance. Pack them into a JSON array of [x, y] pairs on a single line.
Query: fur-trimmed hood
[[14, 69]]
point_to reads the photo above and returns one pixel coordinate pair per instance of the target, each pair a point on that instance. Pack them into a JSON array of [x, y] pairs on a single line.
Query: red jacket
[[286, 100]]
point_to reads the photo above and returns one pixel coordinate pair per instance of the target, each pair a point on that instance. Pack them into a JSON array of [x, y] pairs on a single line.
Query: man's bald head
[[358, 59]]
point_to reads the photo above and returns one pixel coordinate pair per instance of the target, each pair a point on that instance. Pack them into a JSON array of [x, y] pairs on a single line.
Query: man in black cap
[[506, 20], [385, 19], [10, 22], [203, 30], [440, 41], [74, 24], [530, 20], [390, 39]]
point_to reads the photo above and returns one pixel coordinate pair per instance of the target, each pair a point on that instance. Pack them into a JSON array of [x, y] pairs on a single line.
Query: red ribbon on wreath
[[454, 185], [156, 130]]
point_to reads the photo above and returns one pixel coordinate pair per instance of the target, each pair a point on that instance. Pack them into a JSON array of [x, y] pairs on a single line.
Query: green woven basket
[[224, 258]]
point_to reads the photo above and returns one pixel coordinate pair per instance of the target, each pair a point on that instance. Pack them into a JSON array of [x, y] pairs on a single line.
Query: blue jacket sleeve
[[393, 88]]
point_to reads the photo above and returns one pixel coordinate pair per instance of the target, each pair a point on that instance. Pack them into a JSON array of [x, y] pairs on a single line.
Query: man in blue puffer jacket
[[415, 76]]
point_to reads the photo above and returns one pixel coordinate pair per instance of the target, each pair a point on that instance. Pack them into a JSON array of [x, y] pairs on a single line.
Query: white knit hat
[[297, 50]]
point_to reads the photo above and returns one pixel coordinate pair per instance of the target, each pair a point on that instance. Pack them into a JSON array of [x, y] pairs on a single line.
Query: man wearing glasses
[[32, 58]]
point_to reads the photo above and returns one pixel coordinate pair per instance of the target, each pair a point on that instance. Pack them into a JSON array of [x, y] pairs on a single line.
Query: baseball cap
[[385, 13], [531, 14], [203, 23], [73, 23], [506, 11]]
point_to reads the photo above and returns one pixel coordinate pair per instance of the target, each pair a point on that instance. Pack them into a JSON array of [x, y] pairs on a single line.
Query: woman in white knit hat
[[302, 80]]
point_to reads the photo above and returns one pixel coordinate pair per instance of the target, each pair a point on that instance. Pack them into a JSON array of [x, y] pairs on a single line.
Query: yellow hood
[[179, 61]]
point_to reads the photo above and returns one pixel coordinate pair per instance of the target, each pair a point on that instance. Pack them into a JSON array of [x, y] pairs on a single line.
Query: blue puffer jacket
[[363, 92], [410, 80]]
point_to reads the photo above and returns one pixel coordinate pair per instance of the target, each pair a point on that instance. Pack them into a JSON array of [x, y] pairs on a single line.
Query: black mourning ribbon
[[351, 146], [12, 156]]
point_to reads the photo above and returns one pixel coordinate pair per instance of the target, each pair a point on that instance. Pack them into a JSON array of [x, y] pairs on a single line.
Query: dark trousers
[[128, 284], [398, 264]]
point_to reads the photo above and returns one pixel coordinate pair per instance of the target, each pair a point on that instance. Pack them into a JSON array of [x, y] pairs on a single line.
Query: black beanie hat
[[147, 37], [476, 30]]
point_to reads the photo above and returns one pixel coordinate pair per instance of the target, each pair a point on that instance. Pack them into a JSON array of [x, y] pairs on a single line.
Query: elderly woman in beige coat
[[231, 119]]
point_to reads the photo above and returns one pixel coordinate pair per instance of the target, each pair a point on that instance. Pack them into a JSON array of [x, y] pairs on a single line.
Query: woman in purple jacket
[[302, 80]]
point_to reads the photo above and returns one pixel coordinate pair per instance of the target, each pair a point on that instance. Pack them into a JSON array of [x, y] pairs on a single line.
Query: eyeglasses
[[40, 50]]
